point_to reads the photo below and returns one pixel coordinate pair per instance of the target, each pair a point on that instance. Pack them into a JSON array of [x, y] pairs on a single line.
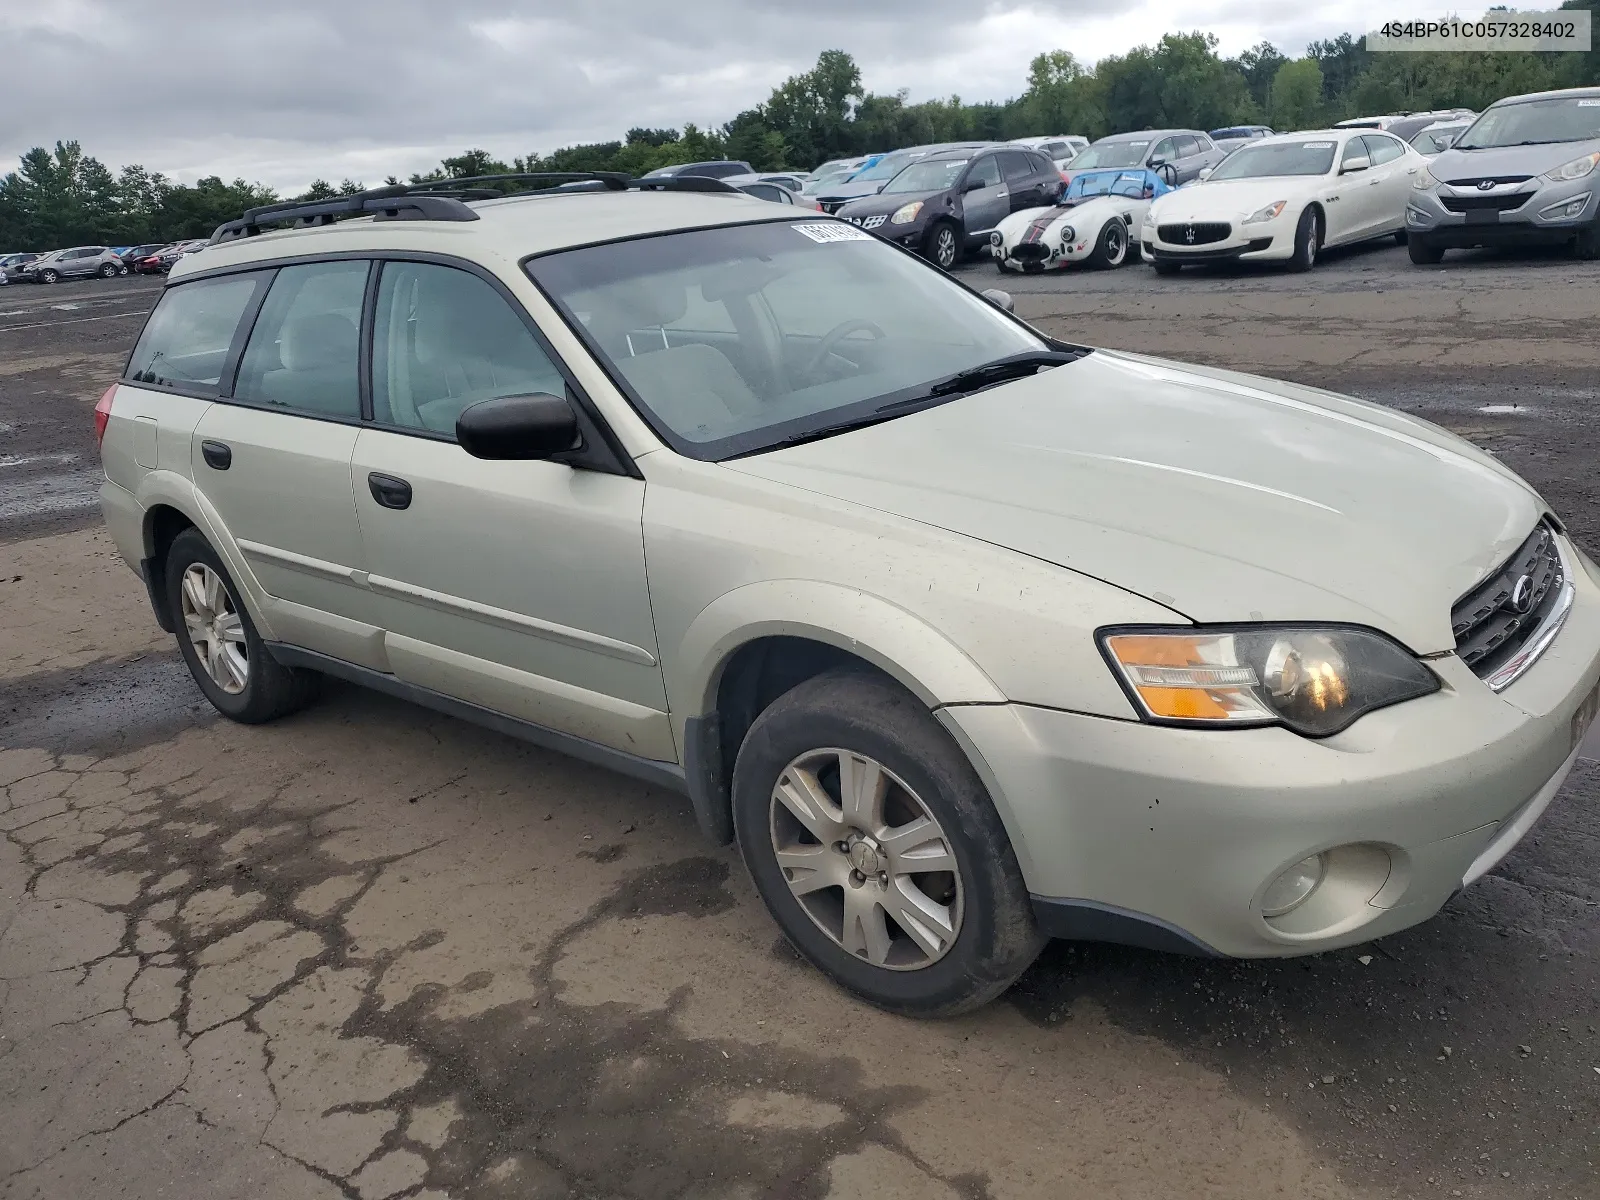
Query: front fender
[[904, 647], [172, 490]]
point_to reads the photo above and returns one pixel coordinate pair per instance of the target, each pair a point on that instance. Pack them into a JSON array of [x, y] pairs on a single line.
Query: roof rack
[[442, 199]]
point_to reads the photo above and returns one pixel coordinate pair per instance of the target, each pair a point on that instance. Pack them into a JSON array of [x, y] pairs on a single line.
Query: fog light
[[1415, 216], [1566, 210], [1291, 889]]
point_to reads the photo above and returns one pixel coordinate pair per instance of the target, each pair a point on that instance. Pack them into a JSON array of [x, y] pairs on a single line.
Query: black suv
[[948, 202]]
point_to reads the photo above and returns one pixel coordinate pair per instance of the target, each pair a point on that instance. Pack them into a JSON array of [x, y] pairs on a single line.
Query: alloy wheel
[[1116, 244], [866, 859], [944, 247], [215, 628]]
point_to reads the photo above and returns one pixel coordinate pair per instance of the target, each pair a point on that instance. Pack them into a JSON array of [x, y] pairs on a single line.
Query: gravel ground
[[370, 951]]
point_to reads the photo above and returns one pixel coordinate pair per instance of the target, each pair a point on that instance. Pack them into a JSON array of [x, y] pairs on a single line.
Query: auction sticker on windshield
[[833, 233], [1316, 145]]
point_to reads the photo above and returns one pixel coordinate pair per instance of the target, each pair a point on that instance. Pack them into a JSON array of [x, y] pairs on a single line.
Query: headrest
[[322, 340]]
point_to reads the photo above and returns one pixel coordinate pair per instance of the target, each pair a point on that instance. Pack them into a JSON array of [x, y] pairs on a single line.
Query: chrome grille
[[1493, 621]]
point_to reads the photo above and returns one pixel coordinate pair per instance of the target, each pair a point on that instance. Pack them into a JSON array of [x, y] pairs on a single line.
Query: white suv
[[968, 636]]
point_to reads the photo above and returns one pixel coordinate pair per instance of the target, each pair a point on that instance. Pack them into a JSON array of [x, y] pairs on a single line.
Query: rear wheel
[[1307, 241], [943, 246], [1423, 253], [219, 641], [107, 270], [877, 850], [1166, 267], [1111, 250]]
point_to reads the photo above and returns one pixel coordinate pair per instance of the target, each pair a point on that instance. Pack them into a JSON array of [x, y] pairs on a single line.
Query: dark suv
[[946, 203]]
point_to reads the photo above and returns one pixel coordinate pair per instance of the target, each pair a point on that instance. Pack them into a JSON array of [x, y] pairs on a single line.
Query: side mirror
[[971, 185], [1352, 165], [1205, 172], [1000, 299], [518, 427], [1158, 162]]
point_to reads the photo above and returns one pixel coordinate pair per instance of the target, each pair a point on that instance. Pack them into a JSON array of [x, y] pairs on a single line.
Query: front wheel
[[1424, 253], [1111, 250], [219, 641], [107, 270], [877, 850], [1587, 244], [944, 245], [1307, 241], [49, 276]]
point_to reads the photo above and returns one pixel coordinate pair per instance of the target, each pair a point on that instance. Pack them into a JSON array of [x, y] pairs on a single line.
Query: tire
[[107, 270], [49, 276], [943, 245], [1111, 249], [1166, 267], [981, 908], [1424, 253], [1307, 241], [1587, 244], [267, 689]]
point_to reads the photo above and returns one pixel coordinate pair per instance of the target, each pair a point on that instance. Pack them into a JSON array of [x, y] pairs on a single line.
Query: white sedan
[[1285, 198]]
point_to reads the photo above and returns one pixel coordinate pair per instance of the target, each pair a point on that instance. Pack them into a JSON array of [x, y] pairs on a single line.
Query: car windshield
[[884, 168], [1534, 122], [1134, 185], [736, 339], [1266, 159], [927, 176], [1436, 141], [1110, 154], [813, 186]]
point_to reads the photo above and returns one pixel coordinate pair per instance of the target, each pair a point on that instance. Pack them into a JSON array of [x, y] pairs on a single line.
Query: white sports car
[[1099, 216]]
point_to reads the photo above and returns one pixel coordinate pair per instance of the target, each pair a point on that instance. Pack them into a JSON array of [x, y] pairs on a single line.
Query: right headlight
[[1269, 213], [1424, 179], [1316, 680], [1576, 169]]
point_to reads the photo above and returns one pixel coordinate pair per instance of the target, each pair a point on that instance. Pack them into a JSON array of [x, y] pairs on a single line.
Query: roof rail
[[440, 199]]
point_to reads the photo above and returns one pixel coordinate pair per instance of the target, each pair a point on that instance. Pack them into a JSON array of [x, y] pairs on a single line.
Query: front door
[[517, 586], [274, 461], [988, 203]]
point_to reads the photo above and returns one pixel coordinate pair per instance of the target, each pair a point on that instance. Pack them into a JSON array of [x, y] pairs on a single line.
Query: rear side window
[[443, 339], [302, 353], [1382, 149], [186, 340], [1015, 164]]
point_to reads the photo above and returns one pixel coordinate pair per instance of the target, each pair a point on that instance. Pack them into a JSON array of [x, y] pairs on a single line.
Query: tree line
[[66, 197]]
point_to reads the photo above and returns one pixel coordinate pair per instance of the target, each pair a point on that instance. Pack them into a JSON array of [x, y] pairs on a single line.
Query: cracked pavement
[[372, 952]]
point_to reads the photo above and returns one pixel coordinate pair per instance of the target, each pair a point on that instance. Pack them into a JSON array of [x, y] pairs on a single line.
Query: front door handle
[[218, 455], [389, 491]]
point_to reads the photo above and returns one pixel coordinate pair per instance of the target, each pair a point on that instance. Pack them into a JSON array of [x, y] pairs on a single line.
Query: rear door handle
[[218, 455], [389, 491]]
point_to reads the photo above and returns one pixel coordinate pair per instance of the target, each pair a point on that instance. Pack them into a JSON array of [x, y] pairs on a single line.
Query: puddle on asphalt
[[103, 706]]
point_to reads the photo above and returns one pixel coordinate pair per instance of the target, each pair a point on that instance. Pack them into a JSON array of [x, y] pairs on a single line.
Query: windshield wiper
[[1013, 366]]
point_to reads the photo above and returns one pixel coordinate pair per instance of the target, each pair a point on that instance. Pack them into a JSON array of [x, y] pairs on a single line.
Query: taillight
[[102, 414]]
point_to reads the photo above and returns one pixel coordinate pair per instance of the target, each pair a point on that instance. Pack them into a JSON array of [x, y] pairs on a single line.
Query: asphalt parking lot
[[370, 951]]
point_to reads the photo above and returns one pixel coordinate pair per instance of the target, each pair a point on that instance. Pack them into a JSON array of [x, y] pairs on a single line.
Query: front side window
[[443, 339], [1354, 149], [734, 339], [302, 353], [985, 171], [1314, 156], [1165, 150], [186, 340]]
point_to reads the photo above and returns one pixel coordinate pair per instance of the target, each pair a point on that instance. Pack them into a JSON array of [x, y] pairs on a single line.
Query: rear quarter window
[[185, 342]]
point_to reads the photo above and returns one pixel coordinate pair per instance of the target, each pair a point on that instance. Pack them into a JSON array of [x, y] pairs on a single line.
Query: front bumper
[[1170, 837], [1430, 217]]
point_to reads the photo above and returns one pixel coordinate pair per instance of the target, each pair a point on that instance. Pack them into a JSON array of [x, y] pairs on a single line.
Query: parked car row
[[82, 262]]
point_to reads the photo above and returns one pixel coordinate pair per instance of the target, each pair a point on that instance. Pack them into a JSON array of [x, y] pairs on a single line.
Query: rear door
[[517, 586], [989, 202], [1024, 179], [273, 459], [1392, 173]]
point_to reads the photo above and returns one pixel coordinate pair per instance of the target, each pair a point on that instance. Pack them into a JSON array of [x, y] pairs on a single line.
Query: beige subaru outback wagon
[[968, 636]]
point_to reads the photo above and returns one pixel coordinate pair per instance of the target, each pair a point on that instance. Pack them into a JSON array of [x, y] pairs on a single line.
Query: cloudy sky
[[286, 91]]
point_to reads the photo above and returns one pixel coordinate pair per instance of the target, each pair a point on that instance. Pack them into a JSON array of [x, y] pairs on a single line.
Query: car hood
[[851, 191], [1233, 197], [1221, 496], [1508, 160], [881, 203]]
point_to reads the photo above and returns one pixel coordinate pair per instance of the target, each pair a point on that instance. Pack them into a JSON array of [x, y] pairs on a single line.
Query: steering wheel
[[836, 335]]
